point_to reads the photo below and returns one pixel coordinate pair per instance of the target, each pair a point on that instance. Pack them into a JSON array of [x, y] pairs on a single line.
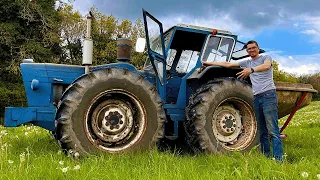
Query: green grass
[[29, 152]]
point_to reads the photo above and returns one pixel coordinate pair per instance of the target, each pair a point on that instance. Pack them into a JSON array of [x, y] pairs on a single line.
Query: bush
[[11, 95]]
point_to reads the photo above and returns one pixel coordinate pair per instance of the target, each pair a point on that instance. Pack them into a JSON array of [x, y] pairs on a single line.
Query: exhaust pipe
[[87, 52]]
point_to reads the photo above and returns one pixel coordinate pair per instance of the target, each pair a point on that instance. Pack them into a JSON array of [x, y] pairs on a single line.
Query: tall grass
[[29, 152]]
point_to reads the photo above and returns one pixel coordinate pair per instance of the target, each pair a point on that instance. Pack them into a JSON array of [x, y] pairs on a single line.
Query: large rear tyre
[[220, 117], [112, 110]]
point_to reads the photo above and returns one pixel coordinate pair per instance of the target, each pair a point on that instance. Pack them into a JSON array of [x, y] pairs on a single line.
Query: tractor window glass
[[218, 49], [159, 67], [154, 36], [167, 37], [239, 51], [187, 61], [170, 58]]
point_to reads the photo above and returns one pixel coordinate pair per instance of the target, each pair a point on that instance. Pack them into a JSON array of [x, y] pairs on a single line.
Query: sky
[[289, 30]]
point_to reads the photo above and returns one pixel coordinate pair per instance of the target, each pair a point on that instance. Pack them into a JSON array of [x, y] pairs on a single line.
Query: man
[[259, 69]]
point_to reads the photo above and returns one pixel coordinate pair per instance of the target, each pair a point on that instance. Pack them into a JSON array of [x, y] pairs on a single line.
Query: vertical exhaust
[[87, 46]]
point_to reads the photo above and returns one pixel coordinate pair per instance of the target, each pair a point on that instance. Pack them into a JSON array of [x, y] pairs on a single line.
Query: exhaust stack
[[87, 46]]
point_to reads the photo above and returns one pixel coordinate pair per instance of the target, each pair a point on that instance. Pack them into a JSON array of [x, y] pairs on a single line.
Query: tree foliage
[[72, 30], [105, 32], [314, 80], [28, 29], [282, 76]]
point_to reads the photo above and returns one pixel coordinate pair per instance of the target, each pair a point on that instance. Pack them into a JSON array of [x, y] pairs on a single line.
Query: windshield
[[218, 49]]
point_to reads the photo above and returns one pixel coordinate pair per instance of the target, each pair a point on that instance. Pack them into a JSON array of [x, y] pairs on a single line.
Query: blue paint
[[35, 84], [41, 116]]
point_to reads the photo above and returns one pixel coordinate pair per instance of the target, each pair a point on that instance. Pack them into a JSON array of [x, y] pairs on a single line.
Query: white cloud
[[297, 64], [310, 25], [311, 32], [261, 13], [218, 21]]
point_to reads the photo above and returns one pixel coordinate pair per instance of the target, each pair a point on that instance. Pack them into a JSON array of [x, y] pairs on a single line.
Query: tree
[[28, 29], [105, 32], [138, 59], [104, 37], [281, 76], [72, 30], [314, 80]]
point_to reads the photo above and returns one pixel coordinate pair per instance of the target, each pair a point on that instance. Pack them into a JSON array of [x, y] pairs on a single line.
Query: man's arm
[[263, 67], [223, 64], [247, 71]]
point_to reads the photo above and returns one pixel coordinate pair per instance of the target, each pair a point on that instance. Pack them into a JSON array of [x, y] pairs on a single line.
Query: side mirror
[[140, 44]]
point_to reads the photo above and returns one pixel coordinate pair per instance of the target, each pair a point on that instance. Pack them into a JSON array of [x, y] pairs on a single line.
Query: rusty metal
[[226, 124], [289, 93], [102, 124], [124, 49], [245, 124], [294, 111], [115, 121]]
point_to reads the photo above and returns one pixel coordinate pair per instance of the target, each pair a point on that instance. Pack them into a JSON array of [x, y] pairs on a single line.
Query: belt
[[266, 92]]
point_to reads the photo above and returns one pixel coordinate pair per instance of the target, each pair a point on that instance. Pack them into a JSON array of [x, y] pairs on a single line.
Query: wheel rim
[[115, 121], [233, 124]]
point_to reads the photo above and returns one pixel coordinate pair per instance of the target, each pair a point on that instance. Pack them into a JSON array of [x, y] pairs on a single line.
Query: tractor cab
[[176, 55]]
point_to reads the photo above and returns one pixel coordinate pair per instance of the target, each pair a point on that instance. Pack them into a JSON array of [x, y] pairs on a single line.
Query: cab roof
[[201, 28]]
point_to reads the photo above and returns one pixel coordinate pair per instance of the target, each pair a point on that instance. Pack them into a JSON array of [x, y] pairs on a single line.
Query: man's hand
[[205, 64], [244, 73]]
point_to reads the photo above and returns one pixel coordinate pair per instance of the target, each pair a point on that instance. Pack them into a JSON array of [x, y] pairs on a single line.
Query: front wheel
[[220, 117], [112, 110]]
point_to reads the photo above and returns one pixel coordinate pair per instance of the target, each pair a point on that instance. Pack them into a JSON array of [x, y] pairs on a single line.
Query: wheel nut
[[121, 122]]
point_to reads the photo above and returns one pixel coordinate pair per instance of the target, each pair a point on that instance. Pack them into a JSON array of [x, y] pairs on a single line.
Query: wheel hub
[[112, 120], [226, 124]]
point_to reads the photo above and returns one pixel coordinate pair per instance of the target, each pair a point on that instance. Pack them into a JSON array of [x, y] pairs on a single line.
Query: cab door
[[156, 50]]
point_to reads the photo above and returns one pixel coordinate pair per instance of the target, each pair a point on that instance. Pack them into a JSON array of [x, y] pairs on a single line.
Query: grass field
[[29, 152]]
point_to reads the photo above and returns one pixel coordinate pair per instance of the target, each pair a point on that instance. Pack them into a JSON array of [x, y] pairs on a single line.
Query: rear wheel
[[220, 117], [112, 110]]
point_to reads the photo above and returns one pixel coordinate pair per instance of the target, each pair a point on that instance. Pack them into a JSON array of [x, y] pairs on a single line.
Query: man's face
[[253, 50]]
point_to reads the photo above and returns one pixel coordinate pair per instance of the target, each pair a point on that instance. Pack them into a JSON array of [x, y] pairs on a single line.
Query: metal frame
[[298, 103], [154, 56], [222, 36]]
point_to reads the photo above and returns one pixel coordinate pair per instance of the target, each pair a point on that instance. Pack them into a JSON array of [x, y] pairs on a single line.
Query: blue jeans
[[266, 111]]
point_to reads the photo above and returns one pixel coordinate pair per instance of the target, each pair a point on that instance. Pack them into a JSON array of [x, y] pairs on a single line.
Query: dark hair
[[250, 42]]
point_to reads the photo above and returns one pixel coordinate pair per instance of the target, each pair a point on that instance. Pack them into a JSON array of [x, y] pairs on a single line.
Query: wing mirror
[[140, 44]]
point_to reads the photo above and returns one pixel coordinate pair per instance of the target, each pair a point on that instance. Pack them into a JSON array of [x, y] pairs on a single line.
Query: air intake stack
[[124, 50]]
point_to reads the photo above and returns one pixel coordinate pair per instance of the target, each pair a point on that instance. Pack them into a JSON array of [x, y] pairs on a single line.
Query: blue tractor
[[117, 108]]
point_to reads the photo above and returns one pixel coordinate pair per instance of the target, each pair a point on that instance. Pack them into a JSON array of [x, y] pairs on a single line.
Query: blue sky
[[288, 29]]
